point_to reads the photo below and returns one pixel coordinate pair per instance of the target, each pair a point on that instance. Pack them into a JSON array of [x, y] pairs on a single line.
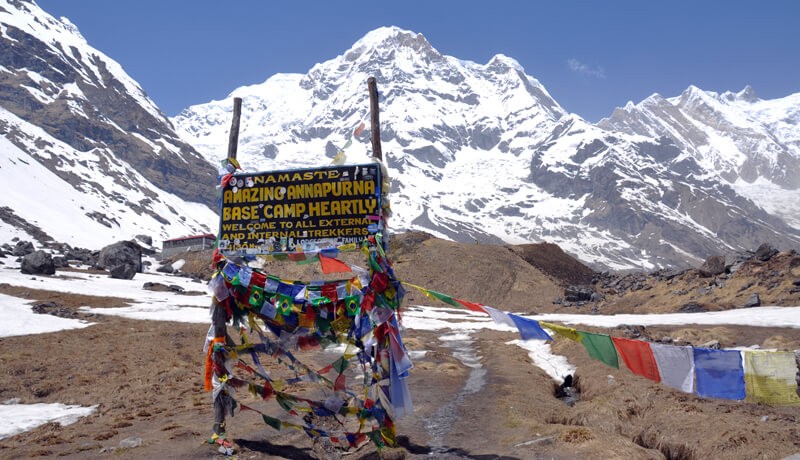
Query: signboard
[[299, 210]]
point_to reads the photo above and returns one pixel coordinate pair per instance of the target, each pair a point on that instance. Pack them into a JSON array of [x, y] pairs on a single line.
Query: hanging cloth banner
[[675, 366], [600, 347], [529, 329], [719, 373], [332, 265], [770, 377], [638, 357], [564, 331]]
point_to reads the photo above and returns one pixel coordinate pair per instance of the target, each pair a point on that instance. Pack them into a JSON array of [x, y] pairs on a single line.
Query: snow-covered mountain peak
[[501, 61], [747, 94], [75, 123], [63, 39]]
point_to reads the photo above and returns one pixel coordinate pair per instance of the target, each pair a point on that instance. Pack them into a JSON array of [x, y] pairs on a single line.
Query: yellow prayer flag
[[769, 377], [567, 332]]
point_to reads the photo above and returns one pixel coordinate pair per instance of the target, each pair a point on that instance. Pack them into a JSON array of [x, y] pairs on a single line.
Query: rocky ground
[[146, 376]]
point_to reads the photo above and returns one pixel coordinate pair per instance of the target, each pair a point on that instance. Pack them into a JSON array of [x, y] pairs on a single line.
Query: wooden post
[[218, 316], [374, 119], [233, 140]]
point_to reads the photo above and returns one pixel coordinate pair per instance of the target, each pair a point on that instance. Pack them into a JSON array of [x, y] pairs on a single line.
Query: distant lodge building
[[187, 243]]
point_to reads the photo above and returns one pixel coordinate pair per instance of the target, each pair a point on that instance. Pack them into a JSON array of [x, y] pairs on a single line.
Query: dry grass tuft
[[576, 435]]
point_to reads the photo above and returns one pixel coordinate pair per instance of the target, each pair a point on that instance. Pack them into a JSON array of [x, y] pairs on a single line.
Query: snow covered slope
[[86, 157], [750, 143], [482, 152]]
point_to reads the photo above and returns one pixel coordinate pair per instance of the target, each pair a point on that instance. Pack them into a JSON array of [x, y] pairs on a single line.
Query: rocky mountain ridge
[[476, 152], [481, 152], [101, 153]]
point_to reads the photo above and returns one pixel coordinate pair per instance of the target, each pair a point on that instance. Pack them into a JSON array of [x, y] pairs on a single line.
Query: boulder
[[165, 269], [84, 256], [124, 271], [577, 294], [692, 307], [753, 301], [765, 252], [713, 266], [23, 248], [38, 263], [118, 254]]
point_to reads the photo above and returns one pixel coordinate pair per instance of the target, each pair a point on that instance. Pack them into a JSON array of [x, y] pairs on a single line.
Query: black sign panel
[[300, 210]]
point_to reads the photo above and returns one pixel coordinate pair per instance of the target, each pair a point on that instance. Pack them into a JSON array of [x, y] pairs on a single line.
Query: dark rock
[[165, 269], [753, 301], [125, 271], [765, 252], [146, 239], [713, 266], [747, 286], [116, 255], [83, 256], [596, 297], [568, 392], [692, 307], [578, 294], [23, 248], [60, 262], [53, 308], [38, 263], [796, 282], [150, 286]]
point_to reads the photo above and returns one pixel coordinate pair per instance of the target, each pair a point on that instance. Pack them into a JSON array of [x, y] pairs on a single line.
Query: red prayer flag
[[332, 265], [471, 305], [638, 356]]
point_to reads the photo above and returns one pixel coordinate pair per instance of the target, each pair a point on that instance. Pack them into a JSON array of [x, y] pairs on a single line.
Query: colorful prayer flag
[[529, 329], [600, 347], [638, 356], [568, 332], [332, 265], [769, 377], [719, 373], [675, 365]]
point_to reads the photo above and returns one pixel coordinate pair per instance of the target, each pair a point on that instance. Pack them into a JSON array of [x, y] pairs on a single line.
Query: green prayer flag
[[340, 364], [285, 304], [375, 437], [284, 401], [600, 347], [271, 421], [443, 297], [374, 265], [256, 296], [353, 304]]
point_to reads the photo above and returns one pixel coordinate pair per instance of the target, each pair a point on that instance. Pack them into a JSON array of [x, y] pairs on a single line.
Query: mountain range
[[475, 152]]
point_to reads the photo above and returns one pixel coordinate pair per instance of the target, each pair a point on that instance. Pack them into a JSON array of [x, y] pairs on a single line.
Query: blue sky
[[591, 56]]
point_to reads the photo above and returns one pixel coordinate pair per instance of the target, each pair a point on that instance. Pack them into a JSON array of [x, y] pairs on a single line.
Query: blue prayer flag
[[719, 373], [529, 328]]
